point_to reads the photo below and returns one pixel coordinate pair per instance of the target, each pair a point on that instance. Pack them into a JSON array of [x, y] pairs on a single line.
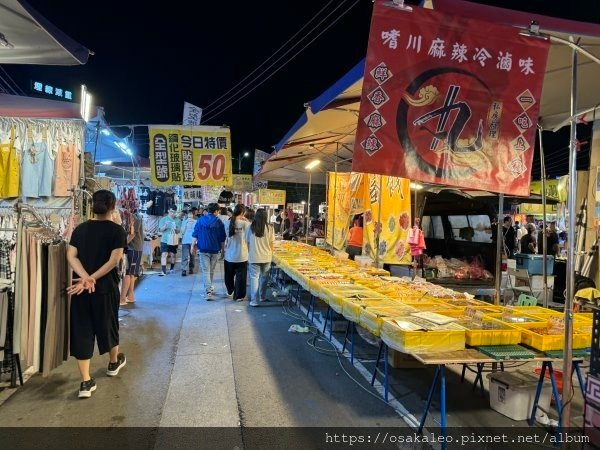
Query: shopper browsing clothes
[[95, 250], [236, 254], [209, 237], [135, 247], [188, 251], [261, 240], [169, 226]]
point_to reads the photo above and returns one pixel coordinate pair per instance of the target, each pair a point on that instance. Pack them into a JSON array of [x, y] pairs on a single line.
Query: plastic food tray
[[351, 308], [371, 318], [421, 341], [559, 354], [504, 334], [544, 342], [529, 321]]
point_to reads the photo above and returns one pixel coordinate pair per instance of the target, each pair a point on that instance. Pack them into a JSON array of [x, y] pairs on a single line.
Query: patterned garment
[[8, 365], [5, 250]]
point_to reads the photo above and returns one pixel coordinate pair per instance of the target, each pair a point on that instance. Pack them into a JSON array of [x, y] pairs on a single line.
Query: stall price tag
[[470, 311]]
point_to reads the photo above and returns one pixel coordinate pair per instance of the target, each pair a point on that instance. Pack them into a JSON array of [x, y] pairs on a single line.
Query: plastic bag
[[476, 268]]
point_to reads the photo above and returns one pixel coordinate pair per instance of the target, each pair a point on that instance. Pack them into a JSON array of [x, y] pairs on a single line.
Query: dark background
[[149, 59]]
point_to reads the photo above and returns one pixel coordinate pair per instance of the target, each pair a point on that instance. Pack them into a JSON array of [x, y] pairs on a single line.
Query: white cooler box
[[512, 394]]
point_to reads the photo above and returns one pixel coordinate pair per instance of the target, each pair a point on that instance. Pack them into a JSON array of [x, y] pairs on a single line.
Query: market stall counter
[[426, 320]]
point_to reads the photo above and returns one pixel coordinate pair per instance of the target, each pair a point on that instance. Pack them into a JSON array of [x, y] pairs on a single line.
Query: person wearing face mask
[[188, 251], [169, 226]]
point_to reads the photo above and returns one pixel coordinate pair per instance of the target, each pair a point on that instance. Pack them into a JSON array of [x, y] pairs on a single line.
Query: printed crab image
[[401, 249], [392, 224], [404, 221], [368, 249], [368, 216], [382, 248]]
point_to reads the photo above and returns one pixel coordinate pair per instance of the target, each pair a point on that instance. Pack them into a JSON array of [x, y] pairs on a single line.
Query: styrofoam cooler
[[533, 263], [512, 394]]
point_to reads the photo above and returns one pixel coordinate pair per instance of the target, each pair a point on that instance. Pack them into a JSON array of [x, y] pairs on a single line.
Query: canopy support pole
[[378, 225], [499, 247], [565, 419], [544, 232], [335, 168]]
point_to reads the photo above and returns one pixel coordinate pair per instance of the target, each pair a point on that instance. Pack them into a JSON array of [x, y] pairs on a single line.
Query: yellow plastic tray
[[476, 337], [535, 321], [371, 318], [421, 341], [544, 342], [351, 308]]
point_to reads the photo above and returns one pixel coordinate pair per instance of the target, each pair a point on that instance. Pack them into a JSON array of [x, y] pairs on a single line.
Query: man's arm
[[113, 261]]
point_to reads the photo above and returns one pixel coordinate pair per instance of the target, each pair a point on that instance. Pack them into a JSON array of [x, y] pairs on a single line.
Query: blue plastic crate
[[533, 263]]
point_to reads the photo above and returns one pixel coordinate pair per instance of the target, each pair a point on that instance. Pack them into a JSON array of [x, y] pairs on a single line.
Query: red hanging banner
[[449, 100]]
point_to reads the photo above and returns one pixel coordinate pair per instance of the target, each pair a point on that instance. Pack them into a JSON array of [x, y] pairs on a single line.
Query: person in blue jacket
[[209, 237]]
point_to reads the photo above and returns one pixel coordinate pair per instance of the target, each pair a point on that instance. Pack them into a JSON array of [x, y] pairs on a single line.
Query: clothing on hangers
[[37, 168], [9, 166]]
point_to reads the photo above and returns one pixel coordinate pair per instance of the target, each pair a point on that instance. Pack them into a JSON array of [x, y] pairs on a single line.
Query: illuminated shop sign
[[49, 90]]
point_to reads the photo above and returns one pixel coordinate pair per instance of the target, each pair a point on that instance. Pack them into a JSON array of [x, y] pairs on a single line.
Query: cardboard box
[[399, 360], [591, 424]]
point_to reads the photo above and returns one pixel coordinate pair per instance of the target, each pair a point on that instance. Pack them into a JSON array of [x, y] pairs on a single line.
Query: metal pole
[[544, 237], [499, 246], [378, 236], [571, 203], [333, 212], [308, 204]]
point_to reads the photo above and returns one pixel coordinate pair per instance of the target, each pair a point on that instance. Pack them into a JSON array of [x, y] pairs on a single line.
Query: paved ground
[[193, 363]]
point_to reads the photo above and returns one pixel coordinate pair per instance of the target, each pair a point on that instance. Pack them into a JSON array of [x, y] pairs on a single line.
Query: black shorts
[[94, 317], [134, 261], [166, 248]]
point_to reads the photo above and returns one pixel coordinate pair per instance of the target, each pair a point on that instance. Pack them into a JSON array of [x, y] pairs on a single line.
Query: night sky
[[150, 59]]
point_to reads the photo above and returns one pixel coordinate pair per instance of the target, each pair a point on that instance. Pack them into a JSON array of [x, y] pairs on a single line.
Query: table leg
[[443, 404], [464, 371], [479, 378], [377, 363], [538, 392], [346, 336], [352, 344], [326, 319], [557, 399], [577, 370], [386, 380], [429, 398], [310, 304]]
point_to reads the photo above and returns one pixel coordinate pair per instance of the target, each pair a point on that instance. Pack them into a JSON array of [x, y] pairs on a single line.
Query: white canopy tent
[[26, 37]]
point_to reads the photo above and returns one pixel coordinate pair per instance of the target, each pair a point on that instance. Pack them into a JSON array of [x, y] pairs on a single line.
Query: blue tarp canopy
[[104, 145]]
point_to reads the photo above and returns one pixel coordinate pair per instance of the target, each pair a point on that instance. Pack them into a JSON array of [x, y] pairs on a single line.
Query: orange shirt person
[[355, 239]]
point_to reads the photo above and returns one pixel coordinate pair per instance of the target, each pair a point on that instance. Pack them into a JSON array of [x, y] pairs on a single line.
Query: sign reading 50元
[[190, 156]]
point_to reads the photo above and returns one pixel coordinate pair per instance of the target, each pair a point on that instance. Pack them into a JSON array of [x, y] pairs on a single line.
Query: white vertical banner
[[259, 158], [192, 114]]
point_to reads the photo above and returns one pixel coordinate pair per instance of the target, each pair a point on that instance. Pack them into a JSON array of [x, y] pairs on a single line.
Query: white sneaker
[[211, 289], [209, 296], [253, 303]]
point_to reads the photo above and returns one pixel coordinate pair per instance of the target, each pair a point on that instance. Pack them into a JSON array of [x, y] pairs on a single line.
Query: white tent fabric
[[330, 121], [26, 37], [104, 145]]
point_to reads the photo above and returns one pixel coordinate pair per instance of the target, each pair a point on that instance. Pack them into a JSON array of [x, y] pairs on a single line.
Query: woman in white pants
[[261, 237]]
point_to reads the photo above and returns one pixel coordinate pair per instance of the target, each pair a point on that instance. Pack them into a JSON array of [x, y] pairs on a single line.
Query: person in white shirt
[[188, 251], [236, 254], [261, 240]]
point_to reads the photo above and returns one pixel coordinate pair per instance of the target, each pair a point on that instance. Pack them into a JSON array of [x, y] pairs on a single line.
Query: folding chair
[[526, 300], [522, 282]]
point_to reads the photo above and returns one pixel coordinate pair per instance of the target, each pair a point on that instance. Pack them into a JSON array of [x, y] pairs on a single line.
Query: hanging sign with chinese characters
[[190, 156], [449, 100]]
